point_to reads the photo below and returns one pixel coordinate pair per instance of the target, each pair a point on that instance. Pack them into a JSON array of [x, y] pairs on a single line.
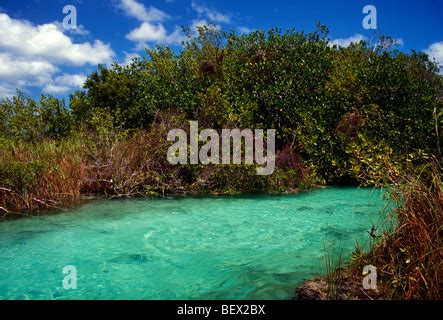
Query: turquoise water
[[253, 247]]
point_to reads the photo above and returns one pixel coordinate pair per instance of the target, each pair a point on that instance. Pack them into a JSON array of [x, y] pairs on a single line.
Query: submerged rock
[[131, 258]]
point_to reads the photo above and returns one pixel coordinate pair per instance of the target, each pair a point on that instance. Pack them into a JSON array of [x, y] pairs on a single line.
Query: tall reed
[[409, 258]]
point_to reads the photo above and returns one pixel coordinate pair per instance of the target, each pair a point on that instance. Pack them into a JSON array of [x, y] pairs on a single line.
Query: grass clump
[[409, 258]]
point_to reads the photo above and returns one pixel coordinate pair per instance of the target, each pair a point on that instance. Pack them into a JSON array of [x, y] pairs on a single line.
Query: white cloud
[[72, 80], [390, 42], [48, 42], [128, 58], [31, 56], [245, 30], [56, 89], [203, 23], [149, 32], [65, 83], [151, 28], [13, 68], [199, 23], [399, 42], [435, 52], [356, 38], [345, 42], [80, 30], [6, 92], [137, 10], [212, 15]]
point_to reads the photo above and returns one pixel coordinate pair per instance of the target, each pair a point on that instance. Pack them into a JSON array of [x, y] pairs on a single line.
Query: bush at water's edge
[[408, 258]]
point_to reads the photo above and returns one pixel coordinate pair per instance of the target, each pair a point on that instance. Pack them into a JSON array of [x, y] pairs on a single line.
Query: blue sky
[[38, 55]]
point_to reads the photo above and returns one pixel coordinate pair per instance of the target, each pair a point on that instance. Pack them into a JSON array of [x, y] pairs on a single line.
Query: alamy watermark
[[231, 153], [70, 20], [70, 277], [370, 280], [370, 20]]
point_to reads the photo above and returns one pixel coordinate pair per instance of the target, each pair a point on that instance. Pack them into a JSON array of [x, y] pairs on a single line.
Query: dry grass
[[409, 259], [39, 175]]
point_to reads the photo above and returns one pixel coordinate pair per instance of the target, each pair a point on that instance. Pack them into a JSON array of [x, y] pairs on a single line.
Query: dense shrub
[[340, 113], [39, 175], [324, 98], [409, 256]]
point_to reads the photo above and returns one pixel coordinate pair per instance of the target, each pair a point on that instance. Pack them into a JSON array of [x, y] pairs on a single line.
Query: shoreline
[[348, 287], [72, 201]]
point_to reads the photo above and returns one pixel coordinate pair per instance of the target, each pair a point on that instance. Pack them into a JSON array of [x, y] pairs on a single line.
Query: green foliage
[[26, 120], [290, 81], [350, 115], [408, 256], [19, 175], [359, 114]]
